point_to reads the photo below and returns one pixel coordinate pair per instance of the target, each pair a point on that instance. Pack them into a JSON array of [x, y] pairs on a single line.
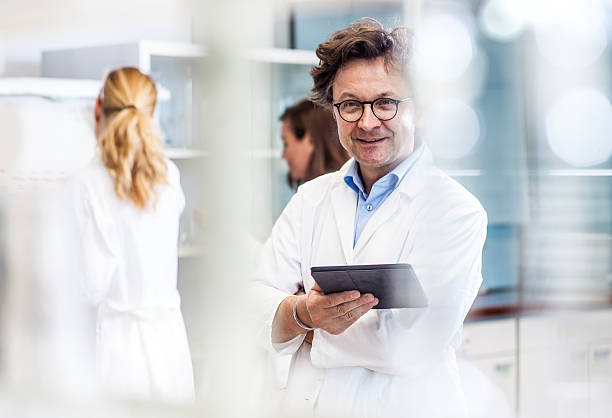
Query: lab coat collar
[[409, 185], [415, 180], [344, 203]]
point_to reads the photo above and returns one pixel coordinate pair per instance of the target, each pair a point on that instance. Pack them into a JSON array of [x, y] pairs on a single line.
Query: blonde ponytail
[[129, 146]]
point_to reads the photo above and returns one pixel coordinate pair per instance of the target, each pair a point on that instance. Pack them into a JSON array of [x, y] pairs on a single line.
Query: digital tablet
[[395, 285]]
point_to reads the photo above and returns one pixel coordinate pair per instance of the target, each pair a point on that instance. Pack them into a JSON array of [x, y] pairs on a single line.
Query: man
[[387, 204]]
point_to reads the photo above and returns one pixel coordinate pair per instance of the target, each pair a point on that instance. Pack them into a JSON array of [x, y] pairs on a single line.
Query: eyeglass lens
[[384, 109]]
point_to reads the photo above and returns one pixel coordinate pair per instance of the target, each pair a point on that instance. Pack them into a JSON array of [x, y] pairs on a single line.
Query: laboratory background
[[513, 99]]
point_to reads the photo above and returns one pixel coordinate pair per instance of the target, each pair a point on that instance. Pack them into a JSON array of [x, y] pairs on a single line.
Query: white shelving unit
[[173, 65], [95, 61]]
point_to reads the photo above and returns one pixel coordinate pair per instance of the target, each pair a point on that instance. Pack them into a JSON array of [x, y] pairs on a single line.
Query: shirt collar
[[390, 180]]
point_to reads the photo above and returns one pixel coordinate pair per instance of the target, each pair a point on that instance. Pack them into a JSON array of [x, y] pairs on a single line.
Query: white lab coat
[[130, 276], [395, 362]]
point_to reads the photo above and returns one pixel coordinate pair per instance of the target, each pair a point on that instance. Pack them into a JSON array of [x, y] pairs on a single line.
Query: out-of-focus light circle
[[574, 37], [579, 128], [500, 20], [443, 47], [451, 129]]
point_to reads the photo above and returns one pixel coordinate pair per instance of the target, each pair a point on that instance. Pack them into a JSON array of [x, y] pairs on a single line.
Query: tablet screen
[[395, 285]]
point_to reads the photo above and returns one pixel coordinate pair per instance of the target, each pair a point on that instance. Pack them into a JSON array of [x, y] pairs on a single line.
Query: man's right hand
[[335, 312]]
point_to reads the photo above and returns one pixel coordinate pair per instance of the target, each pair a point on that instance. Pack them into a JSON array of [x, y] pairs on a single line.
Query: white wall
[[28, 27]]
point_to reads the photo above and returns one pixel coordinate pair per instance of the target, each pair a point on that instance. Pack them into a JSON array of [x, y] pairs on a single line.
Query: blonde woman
[[128, 203]]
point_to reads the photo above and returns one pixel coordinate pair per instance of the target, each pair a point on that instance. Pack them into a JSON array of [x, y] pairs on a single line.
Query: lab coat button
[[369, 208]]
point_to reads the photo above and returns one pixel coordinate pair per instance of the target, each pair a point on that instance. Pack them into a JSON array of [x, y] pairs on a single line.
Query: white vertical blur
[[229, 30], [47, 330], [448, 76], [412, 13], [567, 244]]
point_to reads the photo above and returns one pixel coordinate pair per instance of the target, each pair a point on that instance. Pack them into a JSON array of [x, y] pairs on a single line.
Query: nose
[[368, 120]]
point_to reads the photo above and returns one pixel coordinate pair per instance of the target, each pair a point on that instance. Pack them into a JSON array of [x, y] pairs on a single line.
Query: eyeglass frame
[[371, 103]]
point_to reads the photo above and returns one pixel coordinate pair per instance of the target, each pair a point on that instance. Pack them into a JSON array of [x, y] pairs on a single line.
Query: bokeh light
[[451, 129], [574, 34], [501, 20], [579, 128], [444, 47]]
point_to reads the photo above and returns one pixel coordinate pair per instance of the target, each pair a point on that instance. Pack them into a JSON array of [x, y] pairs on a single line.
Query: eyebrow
[[347, 96]]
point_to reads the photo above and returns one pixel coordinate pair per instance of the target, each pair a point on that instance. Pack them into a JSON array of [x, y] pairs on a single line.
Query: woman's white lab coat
[[394, 362], [130, 275]]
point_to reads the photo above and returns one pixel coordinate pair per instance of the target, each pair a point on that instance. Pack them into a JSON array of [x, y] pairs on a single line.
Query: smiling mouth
[[370, 141]]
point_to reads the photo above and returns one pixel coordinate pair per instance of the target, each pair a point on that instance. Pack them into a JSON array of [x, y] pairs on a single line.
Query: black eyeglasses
[[384, 108]]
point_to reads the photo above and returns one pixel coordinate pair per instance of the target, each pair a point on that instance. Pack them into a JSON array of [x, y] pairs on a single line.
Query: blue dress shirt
[[368, 204]]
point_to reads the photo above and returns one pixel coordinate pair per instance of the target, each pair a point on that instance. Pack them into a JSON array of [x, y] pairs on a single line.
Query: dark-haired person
[[128, 202], [310, 142], [387, 204]]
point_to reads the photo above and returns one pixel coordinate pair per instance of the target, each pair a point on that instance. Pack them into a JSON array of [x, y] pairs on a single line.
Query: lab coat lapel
[[410, 185], [344, 204]]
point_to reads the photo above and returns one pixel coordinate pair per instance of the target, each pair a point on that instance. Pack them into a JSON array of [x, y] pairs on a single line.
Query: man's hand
[[335, 312]]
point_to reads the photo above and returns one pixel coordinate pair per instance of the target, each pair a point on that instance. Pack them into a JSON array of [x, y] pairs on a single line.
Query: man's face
[[378, 146]]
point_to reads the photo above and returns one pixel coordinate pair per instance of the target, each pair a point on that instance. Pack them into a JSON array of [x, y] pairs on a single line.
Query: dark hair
[[328, 154], [364, 39]]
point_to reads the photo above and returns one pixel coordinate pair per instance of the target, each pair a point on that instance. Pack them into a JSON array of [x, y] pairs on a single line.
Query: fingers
[[344, 309], [351, 316], [334, 299], [340, 324]]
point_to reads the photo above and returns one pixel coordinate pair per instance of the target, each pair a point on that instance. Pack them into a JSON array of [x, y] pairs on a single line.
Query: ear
[[308, 142], [308, 139]]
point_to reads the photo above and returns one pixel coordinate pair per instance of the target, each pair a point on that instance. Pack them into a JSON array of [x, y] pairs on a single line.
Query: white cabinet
[[565, 368], [488, 367], [600, 379], [552, 364]]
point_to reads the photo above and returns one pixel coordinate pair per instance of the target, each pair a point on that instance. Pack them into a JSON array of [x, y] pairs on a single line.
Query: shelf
[[586, 172], [463, 173], [283, 56], [59, 88], [576, 172], [190, 250], [54, 88], [183, 153]]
